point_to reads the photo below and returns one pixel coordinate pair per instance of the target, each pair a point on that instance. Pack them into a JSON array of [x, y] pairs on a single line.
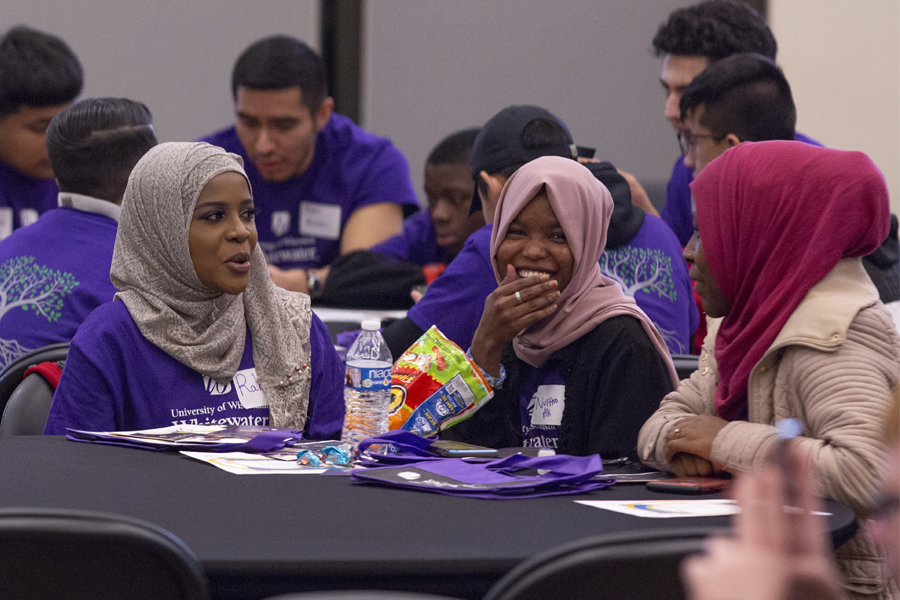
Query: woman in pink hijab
[[578, 366]]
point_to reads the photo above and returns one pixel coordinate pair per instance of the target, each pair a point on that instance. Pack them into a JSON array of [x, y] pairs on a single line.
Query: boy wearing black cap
[[653, 273]]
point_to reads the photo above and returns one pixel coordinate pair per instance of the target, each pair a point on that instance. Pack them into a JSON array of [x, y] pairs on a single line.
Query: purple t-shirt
[[455, 301], [300, 220], [23, 199], [417, 243], [650, 265], [651, 270], [542, 399], [117, 380], [678, 213], [53, 273]]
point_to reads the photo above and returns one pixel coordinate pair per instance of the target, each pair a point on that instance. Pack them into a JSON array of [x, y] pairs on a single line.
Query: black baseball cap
[[499, 143]]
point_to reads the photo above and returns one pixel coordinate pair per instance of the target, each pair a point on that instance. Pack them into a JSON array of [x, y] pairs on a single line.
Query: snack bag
[[434, 385]]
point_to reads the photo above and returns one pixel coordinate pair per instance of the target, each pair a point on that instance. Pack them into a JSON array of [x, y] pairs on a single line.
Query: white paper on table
[[243, 463], [668, 509]]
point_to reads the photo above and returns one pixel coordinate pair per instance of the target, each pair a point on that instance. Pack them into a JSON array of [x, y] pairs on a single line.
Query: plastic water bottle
[[367, 385]]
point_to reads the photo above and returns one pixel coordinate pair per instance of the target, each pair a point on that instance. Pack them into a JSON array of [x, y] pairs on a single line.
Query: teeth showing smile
[[523, 273]]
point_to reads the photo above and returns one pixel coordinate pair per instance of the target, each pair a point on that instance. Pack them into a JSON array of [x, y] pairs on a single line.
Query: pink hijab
[[583, 207]]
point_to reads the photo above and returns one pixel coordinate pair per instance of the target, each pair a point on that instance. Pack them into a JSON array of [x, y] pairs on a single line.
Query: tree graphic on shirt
[[34, 288], [640, 270]]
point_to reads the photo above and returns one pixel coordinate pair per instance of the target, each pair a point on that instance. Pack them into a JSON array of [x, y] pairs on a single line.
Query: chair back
[[623, 566], [74, 555], [685, 364], [359, 595], [12, 375], [28, 408]]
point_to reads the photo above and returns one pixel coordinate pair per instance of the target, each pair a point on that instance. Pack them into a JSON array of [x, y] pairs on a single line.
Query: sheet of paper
[[668, 509], [343, 315], [242, 463]]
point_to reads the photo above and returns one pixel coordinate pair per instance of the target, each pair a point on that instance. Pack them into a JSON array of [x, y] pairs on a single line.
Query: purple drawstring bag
[[492, 479], [258, 440]]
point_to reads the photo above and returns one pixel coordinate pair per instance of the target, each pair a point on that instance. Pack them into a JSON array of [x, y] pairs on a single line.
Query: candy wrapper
[[434, 385]]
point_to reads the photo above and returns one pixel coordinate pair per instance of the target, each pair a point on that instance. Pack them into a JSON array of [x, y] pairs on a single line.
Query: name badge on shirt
[[549, 403], [320, 220], [248, 390]]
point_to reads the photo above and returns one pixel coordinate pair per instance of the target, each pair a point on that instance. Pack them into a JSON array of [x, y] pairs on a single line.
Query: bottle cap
[[371, 324]]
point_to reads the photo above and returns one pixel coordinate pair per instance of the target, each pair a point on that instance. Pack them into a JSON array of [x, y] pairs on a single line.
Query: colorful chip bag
[[434, 385]]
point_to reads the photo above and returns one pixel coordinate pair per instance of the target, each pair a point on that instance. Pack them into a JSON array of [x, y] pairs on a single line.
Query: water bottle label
[[367, 379]]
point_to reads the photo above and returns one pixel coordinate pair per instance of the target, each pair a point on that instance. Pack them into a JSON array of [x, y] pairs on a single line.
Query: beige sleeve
[[694, 396]]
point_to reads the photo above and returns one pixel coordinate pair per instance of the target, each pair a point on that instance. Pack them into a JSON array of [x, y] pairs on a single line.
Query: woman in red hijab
[[576, 365], [803, 335]]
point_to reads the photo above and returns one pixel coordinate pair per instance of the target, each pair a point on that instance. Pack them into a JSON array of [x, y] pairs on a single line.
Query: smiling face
[[278, 131], [715, 303], [535, 243], [23, 139], [677, 72], [222, 235], [449, 189]]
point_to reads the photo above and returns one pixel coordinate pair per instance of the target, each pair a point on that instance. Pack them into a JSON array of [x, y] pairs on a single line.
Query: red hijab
[[775, 218]]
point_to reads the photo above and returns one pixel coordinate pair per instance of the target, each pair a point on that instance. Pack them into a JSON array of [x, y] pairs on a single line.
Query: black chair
[[359, 595], [74, 555], [12, 375], [28, 407], [685, 364], [641, 565]]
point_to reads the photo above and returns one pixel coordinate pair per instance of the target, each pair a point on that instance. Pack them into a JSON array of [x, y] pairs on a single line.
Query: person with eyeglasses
[[746, 97]]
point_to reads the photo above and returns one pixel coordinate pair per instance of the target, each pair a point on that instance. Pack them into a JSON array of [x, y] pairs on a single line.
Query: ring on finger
[[519, 297]]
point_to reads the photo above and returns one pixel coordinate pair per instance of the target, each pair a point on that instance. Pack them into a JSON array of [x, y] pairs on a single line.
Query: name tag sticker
[[549, 403], [320, 220], [248, 390]]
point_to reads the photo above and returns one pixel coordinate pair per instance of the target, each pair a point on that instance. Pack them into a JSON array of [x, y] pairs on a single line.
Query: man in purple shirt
[[55, 272], [40, 76], [323, 185]]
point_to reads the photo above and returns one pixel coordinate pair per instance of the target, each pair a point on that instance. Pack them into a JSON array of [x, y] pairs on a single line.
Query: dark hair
[[744, 94], [279, 62], [94, 144], [36, 69], [715, 29], [455, 149], [538, 133]]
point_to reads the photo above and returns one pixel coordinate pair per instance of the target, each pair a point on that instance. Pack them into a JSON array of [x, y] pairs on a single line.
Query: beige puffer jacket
[[832, 367]]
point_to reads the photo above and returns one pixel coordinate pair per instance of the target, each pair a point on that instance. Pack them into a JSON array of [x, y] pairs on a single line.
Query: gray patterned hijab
[[202, 329]]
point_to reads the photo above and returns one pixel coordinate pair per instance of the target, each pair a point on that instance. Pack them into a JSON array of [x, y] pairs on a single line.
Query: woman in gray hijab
[[198, 333]]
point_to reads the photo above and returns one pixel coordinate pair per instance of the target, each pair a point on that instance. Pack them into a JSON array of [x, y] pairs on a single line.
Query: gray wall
[[173, 55], [435, 66]]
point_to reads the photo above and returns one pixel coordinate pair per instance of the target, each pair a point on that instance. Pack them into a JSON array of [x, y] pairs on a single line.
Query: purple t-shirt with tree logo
[[117, 380], [53, 273], [300, 220]]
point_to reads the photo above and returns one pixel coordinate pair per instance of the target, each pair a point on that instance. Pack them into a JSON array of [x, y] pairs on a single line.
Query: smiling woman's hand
[[504, 316]]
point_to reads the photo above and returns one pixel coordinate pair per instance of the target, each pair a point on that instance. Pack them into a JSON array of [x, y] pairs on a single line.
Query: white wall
[[842, 60], [174, 55], [436, 66]]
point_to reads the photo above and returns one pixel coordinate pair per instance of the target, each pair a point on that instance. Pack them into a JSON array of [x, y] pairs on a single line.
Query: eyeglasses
[[688, 140]]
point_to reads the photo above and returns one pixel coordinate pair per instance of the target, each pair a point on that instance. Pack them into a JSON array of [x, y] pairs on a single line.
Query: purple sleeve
[[382, 174], [455, 301], [326, 391], [677, 212], [417, 243]]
